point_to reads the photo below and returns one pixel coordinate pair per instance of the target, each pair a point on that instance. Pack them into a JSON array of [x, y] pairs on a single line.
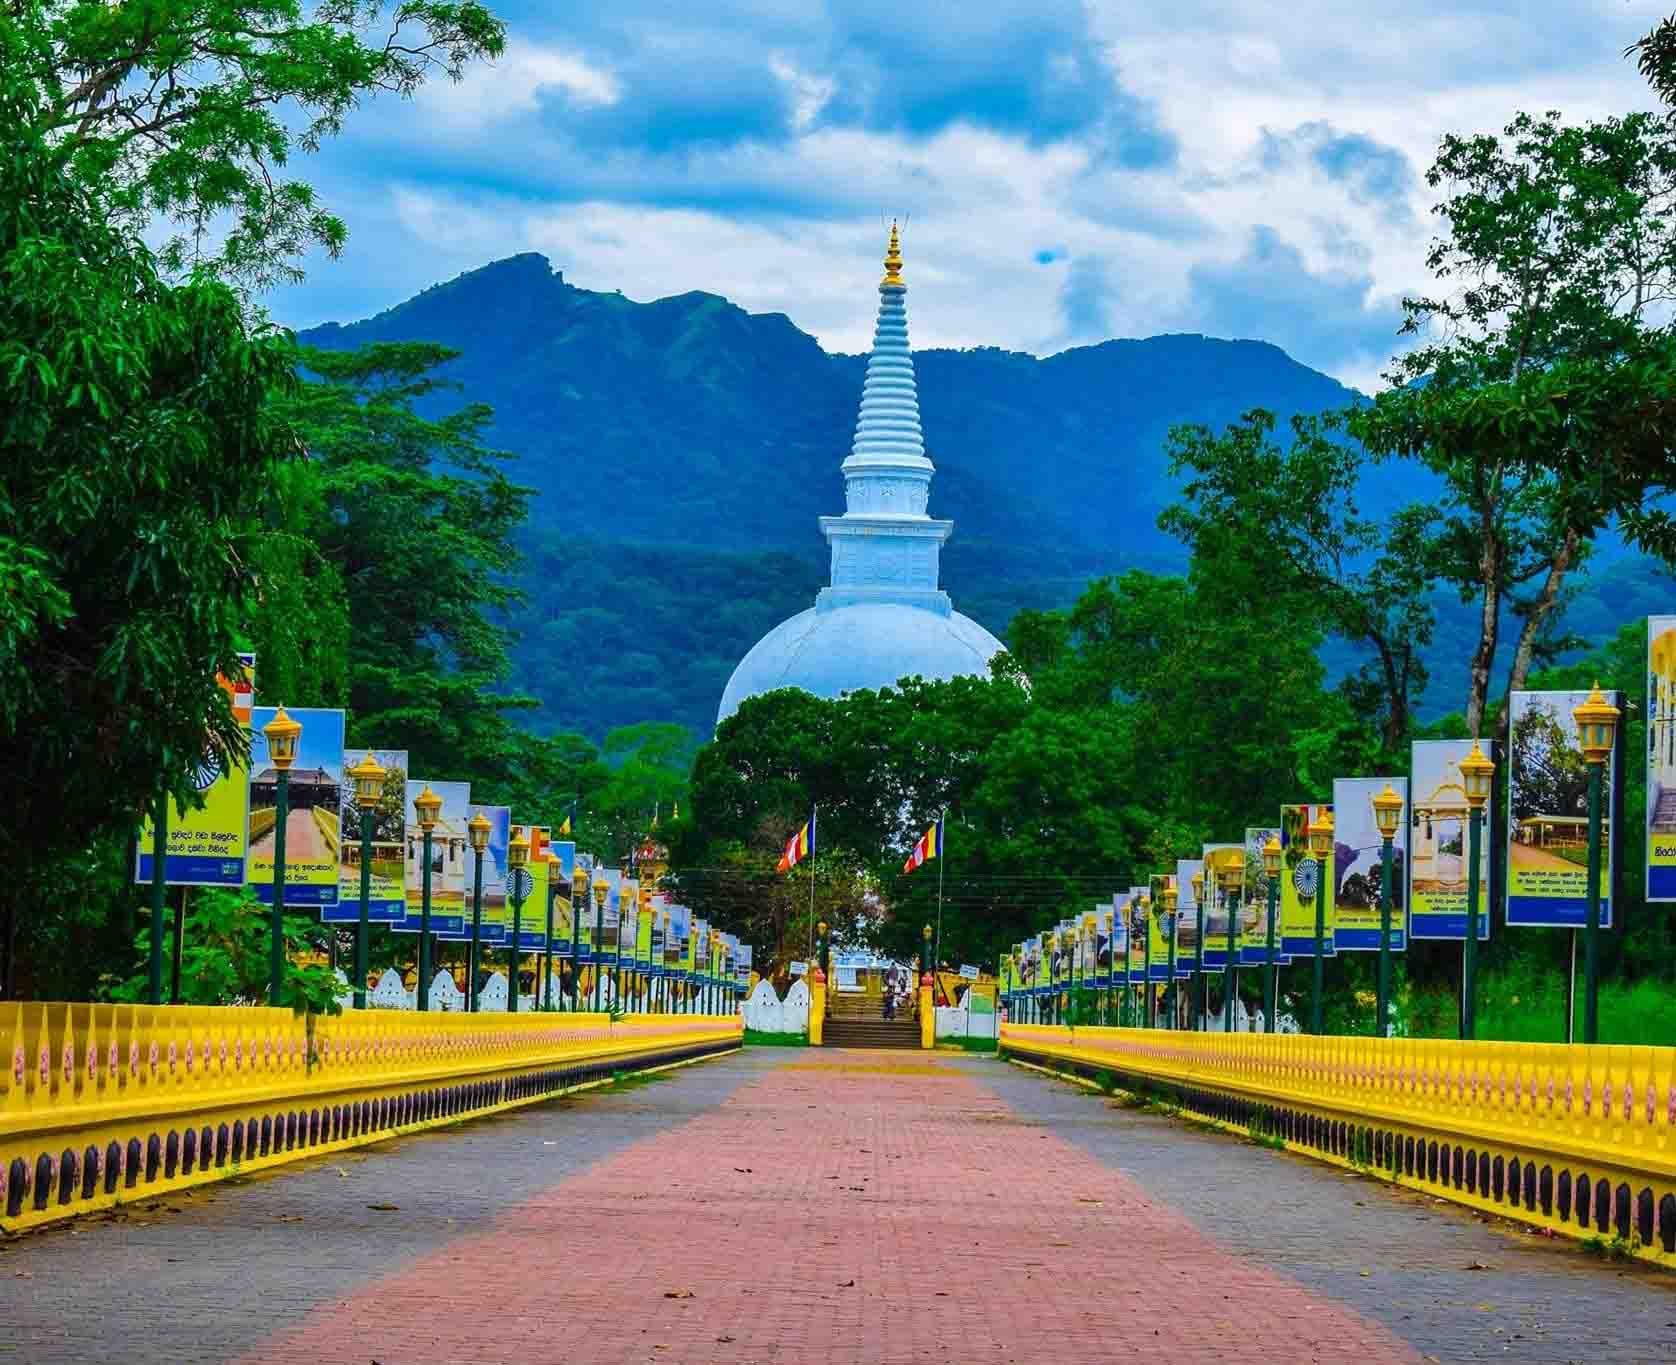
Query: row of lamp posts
[[1596, 720], [283, 735]]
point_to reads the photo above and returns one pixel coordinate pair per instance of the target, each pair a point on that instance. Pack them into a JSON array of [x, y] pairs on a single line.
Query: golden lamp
[[1476, 772], [1387, 812], [477, 830], [428, 805], [1597, 724], [283, 733], [368, 776]]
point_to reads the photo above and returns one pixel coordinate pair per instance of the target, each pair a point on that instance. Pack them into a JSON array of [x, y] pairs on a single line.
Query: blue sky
[[1070, 171]]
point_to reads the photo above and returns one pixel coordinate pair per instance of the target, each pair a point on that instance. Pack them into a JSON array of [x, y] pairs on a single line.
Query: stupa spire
[[888, 427], [885, 548]]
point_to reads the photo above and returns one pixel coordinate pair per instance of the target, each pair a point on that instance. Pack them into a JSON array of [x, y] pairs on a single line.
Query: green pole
[[1469, 950], [1174, 986], [424, 992], [1274, 912], [1201, 988], [1228, 970], [517, 948], [1591, 935], [159, 856], [276, 920], [547, 965], [367, 817], [1318, 976], [1384, 938], [598, 957], [1148, 1018], [476, 929]]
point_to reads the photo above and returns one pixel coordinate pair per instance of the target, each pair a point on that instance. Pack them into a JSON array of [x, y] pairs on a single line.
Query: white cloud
[[794, 225], [515, 85]]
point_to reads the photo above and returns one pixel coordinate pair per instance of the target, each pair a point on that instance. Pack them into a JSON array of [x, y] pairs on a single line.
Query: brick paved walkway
[[846, 1207]]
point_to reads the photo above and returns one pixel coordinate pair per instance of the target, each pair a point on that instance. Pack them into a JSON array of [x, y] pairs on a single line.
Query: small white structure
[[493, 995], [389, 993], [765, 1012], [962, 1022], [445, 995]]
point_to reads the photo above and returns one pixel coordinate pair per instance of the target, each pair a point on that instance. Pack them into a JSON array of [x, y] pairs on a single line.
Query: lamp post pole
[[429, 806], [368, 776], [1147, 1018], [282, 734], [578, 908], [159, 856], [1201, 991], [1320, 847], [477, 830], [547, 964], [517, 859], [1271, 867], [276, 917], [601, 890], [1597, 721], [1231, 899], [1170, 894], [1476, 772], [1387, 816]]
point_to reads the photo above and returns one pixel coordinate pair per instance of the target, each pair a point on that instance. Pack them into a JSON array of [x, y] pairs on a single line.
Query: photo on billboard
[[1548, 814], [1358, 850], [1438, 843]]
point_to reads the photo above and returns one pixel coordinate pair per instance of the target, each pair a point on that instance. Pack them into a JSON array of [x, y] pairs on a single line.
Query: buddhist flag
[[567, 828], [800, 846], [930, 845]]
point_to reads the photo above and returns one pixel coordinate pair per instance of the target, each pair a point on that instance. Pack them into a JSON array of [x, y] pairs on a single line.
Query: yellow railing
[[1574, 1138], [101, 1103]]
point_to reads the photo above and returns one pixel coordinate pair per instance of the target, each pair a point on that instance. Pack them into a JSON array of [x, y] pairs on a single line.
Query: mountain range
[[683, 448]]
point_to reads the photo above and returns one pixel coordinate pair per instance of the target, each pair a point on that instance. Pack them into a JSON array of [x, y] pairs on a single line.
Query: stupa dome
[[884, 615]]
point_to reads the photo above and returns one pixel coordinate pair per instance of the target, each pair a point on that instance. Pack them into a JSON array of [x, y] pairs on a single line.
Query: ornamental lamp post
[[1320, 849], [368, 776], [1387, 816], [1201, 1002], [1168, 894], [518, 887], [602, 889], [1271, 870], [477, 831], [826, 949], [1143, 917], [1231, 875], [578, 908], [282, 734], [428, 806], [1476, 772], [1597, 727], [554, 866]]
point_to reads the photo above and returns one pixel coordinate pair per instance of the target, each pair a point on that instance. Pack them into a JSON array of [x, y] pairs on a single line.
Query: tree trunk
[[1489, 623], [1543, 604]]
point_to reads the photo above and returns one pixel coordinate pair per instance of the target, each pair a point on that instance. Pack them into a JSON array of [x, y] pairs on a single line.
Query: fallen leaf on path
[[677, 1293], [384, 1208], [743, 1170], [848, 1284], [724, 1340], [289, 1218], [1478, 1265]]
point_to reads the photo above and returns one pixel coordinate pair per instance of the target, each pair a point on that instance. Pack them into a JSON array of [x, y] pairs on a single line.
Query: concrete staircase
[[1664, 815], [858, 1021]]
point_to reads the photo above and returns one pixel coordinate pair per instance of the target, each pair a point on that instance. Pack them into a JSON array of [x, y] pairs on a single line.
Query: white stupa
[[884, 615]]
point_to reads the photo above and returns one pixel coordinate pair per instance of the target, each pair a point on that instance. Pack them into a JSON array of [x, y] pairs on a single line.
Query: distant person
[[890, 1004]]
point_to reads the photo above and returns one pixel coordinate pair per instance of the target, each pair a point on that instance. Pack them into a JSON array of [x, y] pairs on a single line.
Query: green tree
[[1537, 389], [1292, 510], [137, 450], [187, 111]]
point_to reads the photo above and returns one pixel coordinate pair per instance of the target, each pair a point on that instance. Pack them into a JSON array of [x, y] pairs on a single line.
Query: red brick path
[[847, 1207]]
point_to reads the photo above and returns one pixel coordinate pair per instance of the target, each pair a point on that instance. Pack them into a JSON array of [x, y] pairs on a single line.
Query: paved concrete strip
[[207, 1275], [1456, 1285], [850, 1207], [786, 1205]]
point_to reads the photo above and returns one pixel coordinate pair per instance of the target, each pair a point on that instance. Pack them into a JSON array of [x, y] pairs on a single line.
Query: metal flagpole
[[937, 945], [814, 812]]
